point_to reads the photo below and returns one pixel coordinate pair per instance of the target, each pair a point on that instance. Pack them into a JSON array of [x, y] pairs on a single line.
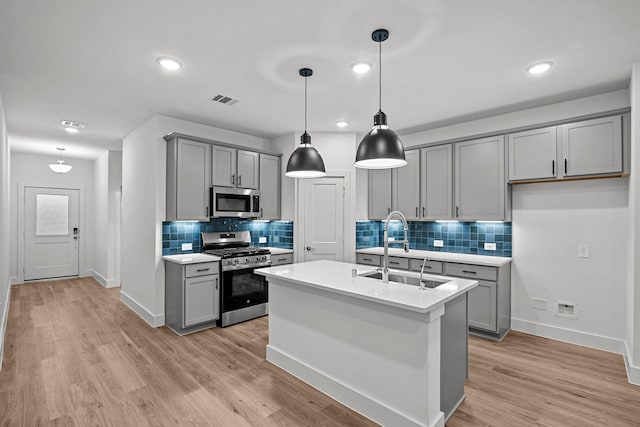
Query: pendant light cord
[[380, 79], [305, 104]]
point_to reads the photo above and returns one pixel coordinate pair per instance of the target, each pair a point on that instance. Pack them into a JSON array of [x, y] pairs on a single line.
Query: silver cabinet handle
[[309, 248], [202, 269], [457, 211], [394, 262], [388, 210], [233, 179], [261, 213], [565, 166], [239, 179], [206, 211], [367, 259], [553, 167], [216, 283], [417, 214], [469, 272], [423, 214], [281, 259]]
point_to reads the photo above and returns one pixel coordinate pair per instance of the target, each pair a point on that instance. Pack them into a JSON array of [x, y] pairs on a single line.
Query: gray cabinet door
[[479, 179], [592, 147], [192, 181], [407, 186], [223, 166], [200, 299], [532, 154], [437, 182], [269, 187], [248, 169], [482, 306], [379, 193]]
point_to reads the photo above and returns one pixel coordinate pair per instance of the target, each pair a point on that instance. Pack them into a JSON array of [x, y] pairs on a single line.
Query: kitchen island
[[374, 346]]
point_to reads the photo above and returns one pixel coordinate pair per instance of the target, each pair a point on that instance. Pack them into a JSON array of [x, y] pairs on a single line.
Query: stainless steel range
[[244, 295]]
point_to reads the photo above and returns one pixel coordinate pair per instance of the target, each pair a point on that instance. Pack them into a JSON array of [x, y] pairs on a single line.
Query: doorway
[[51, 232]]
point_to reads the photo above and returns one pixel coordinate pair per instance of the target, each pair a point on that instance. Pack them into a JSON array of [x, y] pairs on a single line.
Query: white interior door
[[51, 234], [324, 219]]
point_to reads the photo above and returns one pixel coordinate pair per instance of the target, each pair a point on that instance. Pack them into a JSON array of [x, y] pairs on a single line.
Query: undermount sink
[[401, 278]]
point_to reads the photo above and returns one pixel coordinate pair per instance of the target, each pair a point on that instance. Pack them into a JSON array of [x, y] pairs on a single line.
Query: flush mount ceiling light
[[305, 161], [59, 166], [361, 67], [342, 123], [72, 130], [72, 127], [380, 148], [170, 64], [540, 68]]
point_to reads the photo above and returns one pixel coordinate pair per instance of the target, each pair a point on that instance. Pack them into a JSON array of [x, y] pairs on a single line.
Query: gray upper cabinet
[[223, 166], [269, 187], [592, 147], [234, 168], [379, 193], [248, 169], [437, 182], [188, 180], [532, 154], [479, 179], [406, 187]]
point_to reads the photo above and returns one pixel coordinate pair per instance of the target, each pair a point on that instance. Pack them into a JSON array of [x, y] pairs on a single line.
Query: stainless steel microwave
[[234, 202]]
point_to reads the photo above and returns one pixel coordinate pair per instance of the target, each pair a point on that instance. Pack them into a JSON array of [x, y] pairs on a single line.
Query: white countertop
[[190, 258], [279, 251], [337, 277], [491, 261]]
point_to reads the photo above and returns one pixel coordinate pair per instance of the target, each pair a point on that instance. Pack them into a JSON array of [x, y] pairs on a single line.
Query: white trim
[[633, 372], [107, 283], [571, 336], [344, 394], [155, 320], [3, 323], [13, 280]]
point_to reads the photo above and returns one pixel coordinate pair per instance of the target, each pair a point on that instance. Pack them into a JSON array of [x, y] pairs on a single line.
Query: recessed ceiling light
[[171, 64], [342, 123], [540, 67], [72, 130], [361, 67]]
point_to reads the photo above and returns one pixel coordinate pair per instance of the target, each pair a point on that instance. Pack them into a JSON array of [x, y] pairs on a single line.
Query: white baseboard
[[14, 280], [3, 322], [633, 372], [571, 336], [107, 283], [343, 393], [155, 320]]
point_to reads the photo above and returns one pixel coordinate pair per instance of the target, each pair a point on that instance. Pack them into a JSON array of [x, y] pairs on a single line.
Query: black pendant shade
[[305, 161], [381, 148]]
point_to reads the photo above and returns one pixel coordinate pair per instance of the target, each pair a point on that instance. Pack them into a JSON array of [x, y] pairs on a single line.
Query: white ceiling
[[446, 60]]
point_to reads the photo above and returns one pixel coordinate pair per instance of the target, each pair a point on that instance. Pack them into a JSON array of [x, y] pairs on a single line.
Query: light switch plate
[[583, 250], [438, 243], [539, 304], [187, 246], [489, 246], [262, 240]]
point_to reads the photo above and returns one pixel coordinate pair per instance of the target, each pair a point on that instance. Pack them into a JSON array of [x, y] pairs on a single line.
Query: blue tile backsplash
[[279, 234], [460, 237]]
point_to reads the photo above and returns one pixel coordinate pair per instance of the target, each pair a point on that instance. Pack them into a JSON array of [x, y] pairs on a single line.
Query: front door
[[324, 219], [51, 233]]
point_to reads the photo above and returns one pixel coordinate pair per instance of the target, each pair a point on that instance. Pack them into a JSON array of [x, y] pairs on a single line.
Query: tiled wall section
[[279, 234], [460, 237]]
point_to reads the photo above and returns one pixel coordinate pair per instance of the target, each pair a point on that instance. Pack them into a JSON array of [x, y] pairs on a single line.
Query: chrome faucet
[[422, 285], [405, 242]]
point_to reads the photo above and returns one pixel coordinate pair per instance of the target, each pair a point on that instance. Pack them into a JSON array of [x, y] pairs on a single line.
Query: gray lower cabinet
[[482, 307], [192, 296], [281, 259]]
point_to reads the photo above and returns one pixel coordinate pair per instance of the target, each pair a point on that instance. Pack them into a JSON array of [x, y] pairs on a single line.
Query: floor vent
[[222, 99]]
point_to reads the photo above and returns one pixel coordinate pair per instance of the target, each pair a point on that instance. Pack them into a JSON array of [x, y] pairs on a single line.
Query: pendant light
[[381, 147], [305, 161], [59, 166]]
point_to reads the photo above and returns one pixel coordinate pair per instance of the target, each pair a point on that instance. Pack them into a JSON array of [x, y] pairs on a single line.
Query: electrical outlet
[[187, 246], [262, 240], [540, 304], [438, 243], [392, 239], [489, 246], [583, 250]]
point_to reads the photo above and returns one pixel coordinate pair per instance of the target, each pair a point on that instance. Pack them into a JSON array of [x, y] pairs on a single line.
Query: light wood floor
[[76, 356]]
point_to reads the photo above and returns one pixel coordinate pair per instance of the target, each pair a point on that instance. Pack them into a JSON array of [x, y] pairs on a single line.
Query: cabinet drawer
[[368, 259], [434, 267], [471, 271], [399, 262], [201, 269], [281, 259]]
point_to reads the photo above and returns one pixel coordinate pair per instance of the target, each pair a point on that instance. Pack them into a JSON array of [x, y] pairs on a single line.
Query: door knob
[[309, 248]]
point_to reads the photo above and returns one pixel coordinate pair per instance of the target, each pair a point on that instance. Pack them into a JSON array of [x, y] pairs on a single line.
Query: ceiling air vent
[[72, 124], [222, 99]]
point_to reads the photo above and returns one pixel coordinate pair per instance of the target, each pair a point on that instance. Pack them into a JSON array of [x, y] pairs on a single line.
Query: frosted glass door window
[[52, 215]]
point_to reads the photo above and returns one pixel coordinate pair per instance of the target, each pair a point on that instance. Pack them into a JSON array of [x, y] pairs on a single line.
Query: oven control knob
[[235, 260], [264, 257], [246, 260]]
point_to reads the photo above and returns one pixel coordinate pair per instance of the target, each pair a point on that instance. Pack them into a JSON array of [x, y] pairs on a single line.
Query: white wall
[[632, 356], [107, 181], [5, 294], [33, 170], [550, 220], [564, 214], [143, 207]]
